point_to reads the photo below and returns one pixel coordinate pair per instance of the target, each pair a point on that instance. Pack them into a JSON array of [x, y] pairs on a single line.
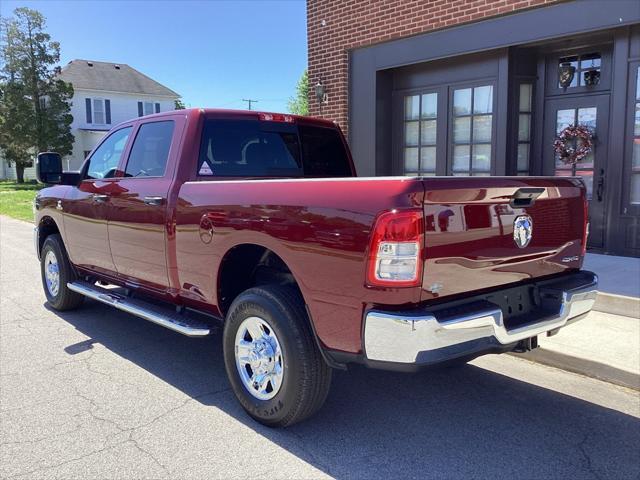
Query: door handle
[[100, 198], [154, 200], [600, 189]]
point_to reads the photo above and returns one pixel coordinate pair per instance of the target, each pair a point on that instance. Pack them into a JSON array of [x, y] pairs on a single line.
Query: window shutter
[[157, 108], [87, 103], [107, 111], [140, 111]]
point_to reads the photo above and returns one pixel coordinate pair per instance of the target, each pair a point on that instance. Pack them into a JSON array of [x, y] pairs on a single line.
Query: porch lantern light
[[321, 92], [566, 72]]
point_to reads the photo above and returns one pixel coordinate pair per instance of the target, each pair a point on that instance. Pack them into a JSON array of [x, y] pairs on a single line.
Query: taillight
[[395, 253], [276, 117], [585, 227]]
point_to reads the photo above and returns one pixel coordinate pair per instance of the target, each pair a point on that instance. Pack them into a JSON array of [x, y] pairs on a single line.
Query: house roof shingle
[[112, 77]]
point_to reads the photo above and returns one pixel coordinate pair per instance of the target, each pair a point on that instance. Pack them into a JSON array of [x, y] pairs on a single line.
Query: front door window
[[577, 116]]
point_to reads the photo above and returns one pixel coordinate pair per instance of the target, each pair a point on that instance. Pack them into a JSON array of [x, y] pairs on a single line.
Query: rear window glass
[[150, 150], [323, 153], [253, 148]]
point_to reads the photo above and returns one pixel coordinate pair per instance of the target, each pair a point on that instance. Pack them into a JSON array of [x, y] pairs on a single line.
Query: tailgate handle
[[525, 197]]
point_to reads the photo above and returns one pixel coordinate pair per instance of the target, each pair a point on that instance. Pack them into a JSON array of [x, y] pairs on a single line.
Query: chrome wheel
[[259, 358], [52, 273]]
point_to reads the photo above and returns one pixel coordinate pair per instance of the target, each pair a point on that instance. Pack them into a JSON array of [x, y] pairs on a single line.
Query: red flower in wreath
[[574, 143]]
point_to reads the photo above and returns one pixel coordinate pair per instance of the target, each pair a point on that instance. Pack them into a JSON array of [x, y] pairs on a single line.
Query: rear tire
[[268, 341], [56, 272]]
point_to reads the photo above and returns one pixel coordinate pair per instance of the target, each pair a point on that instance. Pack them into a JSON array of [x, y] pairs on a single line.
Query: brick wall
[[350, 24]]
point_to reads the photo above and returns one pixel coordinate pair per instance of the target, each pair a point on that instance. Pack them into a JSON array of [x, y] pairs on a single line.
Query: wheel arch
[[232, 280], [47, 226], [247, 265]]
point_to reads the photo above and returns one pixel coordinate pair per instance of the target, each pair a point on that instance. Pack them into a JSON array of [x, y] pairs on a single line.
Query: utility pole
[[249, 101]]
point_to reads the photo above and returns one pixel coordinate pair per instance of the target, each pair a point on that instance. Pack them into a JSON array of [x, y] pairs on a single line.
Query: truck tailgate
[[470, 225]]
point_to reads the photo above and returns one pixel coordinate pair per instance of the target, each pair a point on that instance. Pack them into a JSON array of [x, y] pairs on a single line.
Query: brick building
[[482, 87]]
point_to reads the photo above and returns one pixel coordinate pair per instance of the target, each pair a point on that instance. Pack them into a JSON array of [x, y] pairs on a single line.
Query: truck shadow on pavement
[[467, 422]]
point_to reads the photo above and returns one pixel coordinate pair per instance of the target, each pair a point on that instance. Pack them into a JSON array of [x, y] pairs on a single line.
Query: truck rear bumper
[[482, 324]]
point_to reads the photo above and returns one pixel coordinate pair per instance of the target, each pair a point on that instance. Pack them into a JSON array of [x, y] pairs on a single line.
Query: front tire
[[56, 272], [275, 368]]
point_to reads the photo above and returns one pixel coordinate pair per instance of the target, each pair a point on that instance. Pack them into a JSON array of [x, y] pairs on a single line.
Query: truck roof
[[246, 114]]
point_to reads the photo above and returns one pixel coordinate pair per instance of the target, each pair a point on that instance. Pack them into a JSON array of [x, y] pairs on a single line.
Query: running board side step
[[140, 308]]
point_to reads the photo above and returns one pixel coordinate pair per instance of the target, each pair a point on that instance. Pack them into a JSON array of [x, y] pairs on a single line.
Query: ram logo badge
[[522, 230]]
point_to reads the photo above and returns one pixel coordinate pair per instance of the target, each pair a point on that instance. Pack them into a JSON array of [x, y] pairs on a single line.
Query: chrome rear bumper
[[432, 335]]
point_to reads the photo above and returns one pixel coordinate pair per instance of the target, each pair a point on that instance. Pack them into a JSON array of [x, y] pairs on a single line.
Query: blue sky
[[213, 53]]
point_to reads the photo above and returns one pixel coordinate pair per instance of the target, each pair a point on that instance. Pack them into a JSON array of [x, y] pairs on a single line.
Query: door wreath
[[573, 144]]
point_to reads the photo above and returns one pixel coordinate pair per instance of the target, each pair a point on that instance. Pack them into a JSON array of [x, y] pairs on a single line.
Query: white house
[[105, 94]]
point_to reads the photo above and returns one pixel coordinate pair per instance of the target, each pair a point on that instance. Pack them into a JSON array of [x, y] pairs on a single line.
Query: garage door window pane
[[482, 128], [411, 159], [462, 101], [411, 133], [483, 99], [481, 160], [428, 132], [461, 159], [428, 159], [462, 130], [429, 105], [412, 107]]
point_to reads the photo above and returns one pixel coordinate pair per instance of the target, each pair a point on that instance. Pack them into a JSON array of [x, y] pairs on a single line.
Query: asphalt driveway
[[97, 393]]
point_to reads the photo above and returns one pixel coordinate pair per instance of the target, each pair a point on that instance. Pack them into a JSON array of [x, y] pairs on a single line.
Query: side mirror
[[49, 167]]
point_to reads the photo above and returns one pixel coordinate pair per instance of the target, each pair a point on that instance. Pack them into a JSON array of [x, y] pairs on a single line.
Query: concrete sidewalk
[[618, 283], [606, 344], [603, 346]]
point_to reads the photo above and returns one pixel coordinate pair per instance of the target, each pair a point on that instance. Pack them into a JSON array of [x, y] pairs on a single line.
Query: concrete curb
[[618, 305], [583, 366]]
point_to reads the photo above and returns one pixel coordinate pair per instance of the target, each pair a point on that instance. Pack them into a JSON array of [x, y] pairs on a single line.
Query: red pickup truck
[[257, 221]]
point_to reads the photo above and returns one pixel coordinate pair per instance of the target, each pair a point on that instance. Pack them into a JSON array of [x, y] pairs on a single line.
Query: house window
[[472, 121], [420, 132], [98, 111], [147, 108], [587, 69], [634, 195], [524, 128]]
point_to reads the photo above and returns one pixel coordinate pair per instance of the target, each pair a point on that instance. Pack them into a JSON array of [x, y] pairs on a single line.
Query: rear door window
[[150, 150]]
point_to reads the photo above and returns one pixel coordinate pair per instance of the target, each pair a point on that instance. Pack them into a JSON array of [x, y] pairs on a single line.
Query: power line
[[249, 101]]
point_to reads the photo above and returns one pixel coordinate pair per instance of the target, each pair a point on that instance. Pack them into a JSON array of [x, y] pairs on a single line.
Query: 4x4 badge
[[522, 230]]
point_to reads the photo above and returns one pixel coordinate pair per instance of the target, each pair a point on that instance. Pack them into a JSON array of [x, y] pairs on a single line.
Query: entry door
[[592, 111]]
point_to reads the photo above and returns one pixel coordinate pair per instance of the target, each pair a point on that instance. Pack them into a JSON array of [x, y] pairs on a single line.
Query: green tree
[[178, 104], [299, 104], [34, 104]]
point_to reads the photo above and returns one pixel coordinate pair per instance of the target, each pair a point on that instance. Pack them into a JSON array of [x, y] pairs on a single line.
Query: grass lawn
[[16, 200]]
